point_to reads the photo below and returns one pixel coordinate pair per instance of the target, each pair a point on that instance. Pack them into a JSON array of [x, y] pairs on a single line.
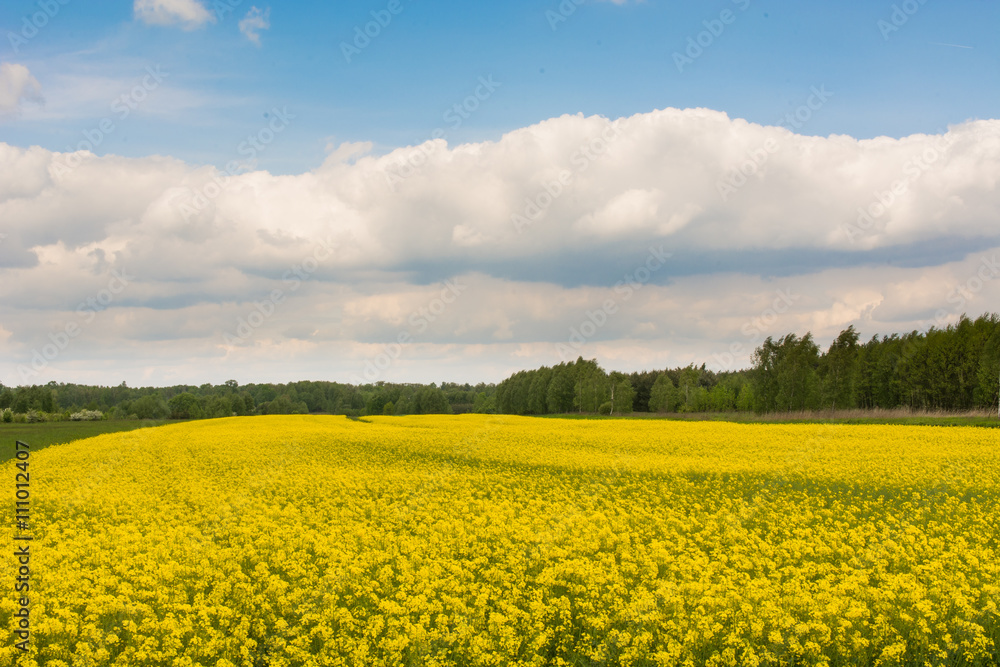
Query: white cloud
[[203, 253], [189, 14], [255, 21], [17, 86]]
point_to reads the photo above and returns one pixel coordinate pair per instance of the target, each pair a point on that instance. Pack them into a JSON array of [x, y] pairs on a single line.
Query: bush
[[605, 408], [8, 415], [86, 416]]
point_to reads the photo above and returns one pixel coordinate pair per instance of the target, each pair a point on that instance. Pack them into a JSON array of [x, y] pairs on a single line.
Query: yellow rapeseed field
[[484, 540]]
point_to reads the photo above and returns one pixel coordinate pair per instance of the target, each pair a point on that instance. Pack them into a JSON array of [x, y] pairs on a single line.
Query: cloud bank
[[466, 262]]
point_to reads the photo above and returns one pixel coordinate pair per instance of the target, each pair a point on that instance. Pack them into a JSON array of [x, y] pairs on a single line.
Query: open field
[[43, 434], [487, 540]]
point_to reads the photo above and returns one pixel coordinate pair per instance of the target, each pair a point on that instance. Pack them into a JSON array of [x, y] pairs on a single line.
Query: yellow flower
[[303, 541]]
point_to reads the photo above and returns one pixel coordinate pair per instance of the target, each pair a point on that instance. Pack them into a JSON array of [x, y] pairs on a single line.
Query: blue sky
[[481, 179], [604, 58]]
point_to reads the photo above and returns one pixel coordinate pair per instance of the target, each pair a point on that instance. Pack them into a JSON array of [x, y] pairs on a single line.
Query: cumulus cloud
[[255, 21], [189, 14], [540, 228], [17, 86]]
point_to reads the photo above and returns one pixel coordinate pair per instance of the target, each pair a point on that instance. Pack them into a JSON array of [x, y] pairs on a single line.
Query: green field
[[56, 433]]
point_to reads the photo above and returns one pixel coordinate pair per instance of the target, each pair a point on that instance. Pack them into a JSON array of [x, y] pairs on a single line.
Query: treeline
[[55, 401], [952, 368], [583, 386]]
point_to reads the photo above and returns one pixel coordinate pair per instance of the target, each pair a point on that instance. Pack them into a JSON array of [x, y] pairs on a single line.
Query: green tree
[[722, 398], [687, 388], [284, 405], [561, 389], [430, 400], [622, 394], [591, 386], [538, 391], [745, 399], [218, 406], [840, 370], [643, 385], [242, 404], [484, 404], [20, 404], [798, 381], [185, 406], [663, 396], [784, 374], [988, 375], [150, 406]]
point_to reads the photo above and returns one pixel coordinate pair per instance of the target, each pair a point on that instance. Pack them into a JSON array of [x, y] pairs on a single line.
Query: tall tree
[[663, 396], [839, 369], [687, 388], [988, 375], [591, 386], [622, 393], [561, 389]]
